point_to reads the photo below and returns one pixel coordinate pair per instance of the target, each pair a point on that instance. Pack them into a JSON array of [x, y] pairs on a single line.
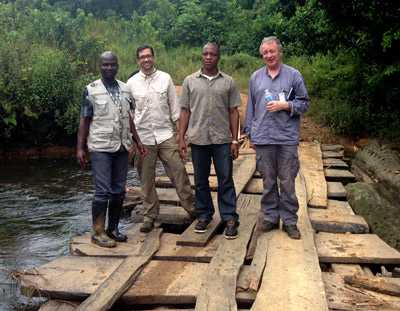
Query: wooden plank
[[292, 277], [218, 291], [336, 190], [334, 163], [59, 305], [332, 154], [74, 278], [82, 245], [355, 248], [254, 186], [170, 251], [344, 297], [346, 269], [326, 220], [329, 147], [343, 176], [340, 207], [246, 165], [256, 268], [123, 277], [313, 171], [387, 286]]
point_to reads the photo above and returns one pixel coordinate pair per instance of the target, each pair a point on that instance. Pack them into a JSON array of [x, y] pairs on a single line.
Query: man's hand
[[234, 151], [276, 105], [81, 157], [142, 149], [182, 149]]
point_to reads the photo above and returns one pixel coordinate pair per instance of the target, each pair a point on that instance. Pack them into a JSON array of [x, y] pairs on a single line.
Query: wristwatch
[[235, 142]]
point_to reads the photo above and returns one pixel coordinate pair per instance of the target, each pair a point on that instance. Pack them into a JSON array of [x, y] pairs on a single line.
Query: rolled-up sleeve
[[185, 96], [173, 103], [300, 103], [86, 105], [234, 95]]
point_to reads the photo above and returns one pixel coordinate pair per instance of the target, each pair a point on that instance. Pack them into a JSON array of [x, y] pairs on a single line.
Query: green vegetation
[[49, 51]]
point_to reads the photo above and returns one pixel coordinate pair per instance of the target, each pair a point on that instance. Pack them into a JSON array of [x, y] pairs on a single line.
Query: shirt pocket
[[140, 103], [100, 107]]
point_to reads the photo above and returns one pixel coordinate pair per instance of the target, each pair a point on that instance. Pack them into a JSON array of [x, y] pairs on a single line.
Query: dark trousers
[[109, 171], [278, 162], [221, 156]]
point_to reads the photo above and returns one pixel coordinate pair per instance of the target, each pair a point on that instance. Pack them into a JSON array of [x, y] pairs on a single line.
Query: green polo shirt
[[208, 102]]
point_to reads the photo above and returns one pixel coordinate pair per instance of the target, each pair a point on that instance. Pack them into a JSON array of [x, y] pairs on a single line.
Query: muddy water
[[42, 205]]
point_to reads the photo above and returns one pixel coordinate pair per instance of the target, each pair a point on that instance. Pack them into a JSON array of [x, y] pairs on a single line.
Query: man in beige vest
[[156, 115], [107, 130]]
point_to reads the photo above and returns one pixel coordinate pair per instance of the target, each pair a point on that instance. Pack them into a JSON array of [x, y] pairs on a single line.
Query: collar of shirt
[[200, 74], [277, 75], [150, 76]]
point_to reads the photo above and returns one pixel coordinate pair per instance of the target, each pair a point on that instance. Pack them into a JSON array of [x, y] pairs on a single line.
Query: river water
[[43, 203]]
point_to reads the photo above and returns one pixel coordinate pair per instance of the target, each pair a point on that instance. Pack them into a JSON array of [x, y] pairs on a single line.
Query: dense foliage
[[49, 50]]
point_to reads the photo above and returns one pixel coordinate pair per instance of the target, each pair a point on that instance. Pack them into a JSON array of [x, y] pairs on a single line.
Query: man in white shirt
[[156, 117]]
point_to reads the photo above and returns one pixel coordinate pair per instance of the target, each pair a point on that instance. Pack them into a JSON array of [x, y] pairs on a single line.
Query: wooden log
[[313, 171], [355, 248], [329, 147], [344, 297], [334, 163], [331, 221], [346, 269], [123, 277], [292, 277], [332, 154], [339, 175], [246, 166], [218, 291], [336, 191], [387, 286], [254, 238]]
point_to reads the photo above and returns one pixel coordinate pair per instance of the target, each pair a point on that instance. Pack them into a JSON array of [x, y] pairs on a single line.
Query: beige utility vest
[[110, 123]]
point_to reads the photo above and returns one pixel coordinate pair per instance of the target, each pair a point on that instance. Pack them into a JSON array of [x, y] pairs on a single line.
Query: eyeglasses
[[143, 57]]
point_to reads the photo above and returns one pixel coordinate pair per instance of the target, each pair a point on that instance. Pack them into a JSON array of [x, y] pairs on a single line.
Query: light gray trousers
[[278, 162]]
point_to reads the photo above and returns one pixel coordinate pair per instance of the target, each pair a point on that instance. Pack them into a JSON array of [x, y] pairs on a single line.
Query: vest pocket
[[102, 138], [100, 108]]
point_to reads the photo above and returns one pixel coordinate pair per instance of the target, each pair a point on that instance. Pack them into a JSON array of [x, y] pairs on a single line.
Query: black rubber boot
[[114, 215], [99, 237]]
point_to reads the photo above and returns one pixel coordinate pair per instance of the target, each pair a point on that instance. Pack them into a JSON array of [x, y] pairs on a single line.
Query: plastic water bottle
[[268, 96]]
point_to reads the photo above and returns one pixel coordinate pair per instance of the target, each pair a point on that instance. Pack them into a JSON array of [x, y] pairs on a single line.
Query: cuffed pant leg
[[288, 167], [146, 168], [201, 157], [222, 158], [266, 156], [169, 155]]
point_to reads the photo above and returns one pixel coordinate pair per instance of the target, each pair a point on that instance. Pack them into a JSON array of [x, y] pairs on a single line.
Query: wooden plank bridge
[[331, 268]]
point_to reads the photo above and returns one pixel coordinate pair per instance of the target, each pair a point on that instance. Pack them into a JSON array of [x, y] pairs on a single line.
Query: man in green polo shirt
[[210, 117]]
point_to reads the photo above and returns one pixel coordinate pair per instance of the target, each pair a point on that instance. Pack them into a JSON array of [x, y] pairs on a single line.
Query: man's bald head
[[108, 65], [108, 55]]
